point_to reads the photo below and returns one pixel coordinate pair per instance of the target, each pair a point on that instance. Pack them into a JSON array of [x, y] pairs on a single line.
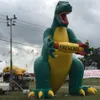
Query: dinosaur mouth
[[63, 17]]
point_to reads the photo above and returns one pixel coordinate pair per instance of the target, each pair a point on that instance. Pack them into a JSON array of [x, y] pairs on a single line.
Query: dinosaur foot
[[41, 93], [87, 90]]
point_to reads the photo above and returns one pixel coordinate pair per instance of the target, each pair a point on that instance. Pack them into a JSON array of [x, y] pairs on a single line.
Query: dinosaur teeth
[[63, 17], [62, 20]]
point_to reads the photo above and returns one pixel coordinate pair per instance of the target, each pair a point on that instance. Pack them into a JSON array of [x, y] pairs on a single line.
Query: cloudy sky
[[33, 17]]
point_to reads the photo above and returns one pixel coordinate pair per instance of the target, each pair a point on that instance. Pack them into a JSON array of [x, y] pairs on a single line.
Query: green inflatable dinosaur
[[57, 60]]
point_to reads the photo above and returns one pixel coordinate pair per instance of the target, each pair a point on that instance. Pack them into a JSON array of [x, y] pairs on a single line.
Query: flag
[[36, 53], [32, 51], [26, 66], [9, 52]]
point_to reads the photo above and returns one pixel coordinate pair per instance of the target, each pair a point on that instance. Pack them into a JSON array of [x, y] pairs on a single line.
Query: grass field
[[92, 81], [60, 95]]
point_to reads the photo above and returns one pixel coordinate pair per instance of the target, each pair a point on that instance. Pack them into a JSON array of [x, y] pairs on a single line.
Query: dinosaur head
[[63, 8]]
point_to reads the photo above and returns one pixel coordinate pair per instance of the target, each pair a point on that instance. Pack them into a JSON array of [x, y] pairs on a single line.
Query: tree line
[[93, 59]]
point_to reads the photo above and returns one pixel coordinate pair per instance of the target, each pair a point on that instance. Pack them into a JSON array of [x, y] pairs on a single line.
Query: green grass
[[60, 95], [92, 81], [14, 96]]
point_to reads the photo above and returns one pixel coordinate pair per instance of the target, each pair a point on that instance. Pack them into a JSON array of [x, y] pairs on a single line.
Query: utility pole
[[10, 23]]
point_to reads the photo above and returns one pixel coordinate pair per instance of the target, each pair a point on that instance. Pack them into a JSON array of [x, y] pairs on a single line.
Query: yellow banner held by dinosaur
[[68, 47]]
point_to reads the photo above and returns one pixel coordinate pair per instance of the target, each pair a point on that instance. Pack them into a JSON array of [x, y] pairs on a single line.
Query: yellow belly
[[59, 66]]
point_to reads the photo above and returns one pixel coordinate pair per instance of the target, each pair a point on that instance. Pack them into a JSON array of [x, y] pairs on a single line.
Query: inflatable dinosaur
[[57, 60]]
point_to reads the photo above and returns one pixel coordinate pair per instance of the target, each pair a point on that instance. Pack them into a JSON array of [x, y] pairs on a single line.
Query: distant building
[[30, 75], [90, 67]]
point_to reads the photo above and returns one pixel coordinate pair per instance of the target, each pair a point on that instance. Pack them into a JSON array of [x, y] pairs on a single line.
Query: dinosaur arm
[[48, 43], [47, 32], [72, 37]]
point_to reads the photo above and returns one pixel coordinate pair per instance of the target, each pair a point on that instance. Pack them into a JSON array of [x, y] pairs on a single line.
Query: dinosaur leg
[[42, 75], [76, 76]]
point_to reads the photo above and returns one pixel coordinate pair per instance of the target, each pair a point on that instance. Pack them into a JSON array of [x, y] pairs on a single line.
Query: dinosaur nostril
[[68, 4]]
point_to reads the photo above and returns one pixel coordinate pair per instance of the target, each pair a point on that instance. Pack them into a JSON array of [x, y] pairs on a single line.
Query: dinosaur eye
[[58, 4]]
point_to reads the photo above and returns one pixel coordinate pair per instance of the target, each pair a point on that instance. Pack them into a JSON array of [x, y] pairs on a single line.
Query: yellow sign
[[69, 47]]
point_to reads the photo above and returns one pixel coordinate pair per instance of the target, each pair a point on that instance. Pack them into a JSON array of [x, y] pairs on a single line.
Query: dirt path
[[95, 86]]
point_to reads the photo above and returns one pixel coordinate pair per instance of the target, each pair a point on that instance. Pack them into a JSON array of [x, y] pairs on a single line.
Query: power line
[[15, 42], [18, 43], [28, 24], [2, 15], [20, 25], [94, 44], [31, 23], [25, 11], [2, 18], [22, 9], [2, 22], [38, 28]]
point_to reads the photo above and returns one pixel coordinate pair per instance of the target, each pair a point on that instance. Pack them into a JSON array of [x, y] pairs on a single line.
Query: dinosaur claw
[[56, 56], [82, 92], [31, 94], [40, 94], [94, 89], [52, 55], [88, 55], [83, 59], [91, 49], [51, 43], [91, 90], [87, 42], [49, 36], [56, 50], [50, 93]]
